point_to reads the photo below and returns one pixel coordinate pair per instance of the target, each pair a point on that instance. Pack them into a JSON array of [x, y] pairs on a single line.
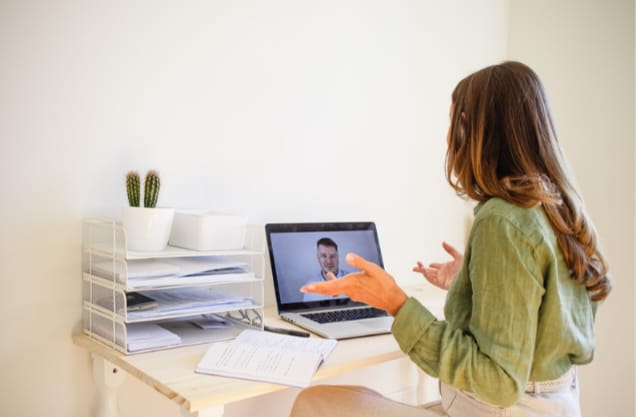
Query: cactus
[[133, 188], [151, 188]]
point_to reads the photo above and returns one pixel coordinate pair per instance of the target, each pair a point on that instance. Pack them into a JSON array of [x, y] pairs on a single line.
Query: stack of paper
[[157, 273], [189, 300], [268, 357], [143, 336]]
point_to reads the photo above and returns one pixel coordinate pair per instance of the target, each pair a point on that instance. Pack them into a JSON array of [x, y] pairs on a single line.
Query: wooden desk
[[171, 372]]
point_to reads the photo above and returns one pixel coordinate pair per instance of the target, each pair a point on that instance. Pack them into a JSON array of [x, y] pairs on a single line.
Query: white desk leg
[[208, 412], [108, 378]]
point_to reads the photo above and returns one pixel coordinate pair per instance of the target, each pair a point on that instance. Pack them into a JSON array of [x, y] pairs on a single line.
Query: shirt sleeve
[[492, 355]]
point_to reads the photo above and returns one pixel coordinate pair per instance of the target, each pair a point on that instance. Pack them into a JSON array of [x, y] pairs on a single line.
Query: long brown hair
[[502, 143]]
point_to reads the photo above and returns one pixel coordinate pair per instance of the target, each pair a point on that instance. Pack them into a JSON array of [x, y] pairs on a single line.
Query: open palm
[[442, 274]]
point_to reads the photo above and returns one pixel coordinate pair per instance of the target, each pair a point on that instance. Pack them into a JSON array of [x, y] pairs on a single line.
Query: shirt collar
[[478, 207]]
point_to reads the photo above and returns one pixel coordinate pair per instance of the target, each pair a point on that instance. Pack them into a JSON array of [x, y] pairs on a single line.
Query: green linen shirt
[[513, 314]]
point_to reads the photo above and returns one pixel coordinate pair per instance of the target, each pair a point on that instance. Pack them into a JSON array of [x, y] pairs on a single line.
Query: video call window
[[296, 258]]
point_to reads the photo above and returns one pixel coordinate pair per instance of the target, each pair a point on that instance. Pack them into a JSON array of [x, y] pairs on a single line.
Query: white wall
[[279, 109], [584, 52]]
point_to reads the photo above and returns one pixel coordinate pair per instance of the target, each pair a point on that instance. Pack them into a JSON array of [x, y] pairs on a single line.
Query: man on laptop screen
[[328, 259]]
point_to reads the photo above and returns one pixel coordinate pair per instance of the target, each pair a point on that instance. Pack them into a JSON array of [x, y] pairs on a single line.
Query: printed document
[[269, 357]]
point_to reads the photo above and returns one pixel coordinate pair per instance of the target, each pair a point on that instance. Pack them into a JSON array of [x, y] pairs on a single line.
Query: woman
[[522, 299]]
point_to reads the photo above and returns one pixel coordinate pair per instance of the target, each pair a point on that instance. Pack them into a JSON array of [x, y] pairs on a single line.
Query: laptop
[[298, 254]]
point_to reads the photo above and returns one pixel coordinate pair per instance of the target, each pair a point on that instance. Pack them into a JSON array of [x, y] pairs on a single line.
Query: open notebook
[[268, 357]]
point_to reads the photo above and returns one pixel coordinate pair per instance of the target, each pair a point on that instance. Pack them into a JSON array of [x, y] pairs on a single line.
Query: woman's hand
[[442, 274], [372, 285]]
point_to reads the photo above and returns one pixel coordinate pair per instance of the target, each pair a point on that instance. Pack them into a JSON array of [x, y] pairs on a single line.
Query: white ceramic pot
[[147, 229]]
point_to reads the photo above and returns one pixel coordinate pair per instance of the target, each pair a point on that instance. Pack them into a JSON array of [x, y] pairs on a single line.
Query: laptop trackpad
[[377, 324]]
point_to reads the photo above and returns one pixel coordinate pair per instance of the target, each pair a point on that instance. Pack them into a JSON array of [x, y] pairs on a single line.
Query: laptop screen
[[301, 253]]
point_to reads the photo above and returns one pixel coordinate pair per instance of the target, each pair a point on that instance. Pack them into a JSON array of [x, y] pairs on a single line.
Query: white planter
[[147, 229]]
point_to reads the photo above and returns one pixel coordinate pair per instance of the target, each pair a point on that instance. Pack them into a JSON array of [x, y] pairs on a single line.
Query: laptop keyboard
[[345, 315]]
